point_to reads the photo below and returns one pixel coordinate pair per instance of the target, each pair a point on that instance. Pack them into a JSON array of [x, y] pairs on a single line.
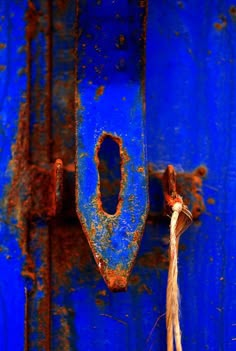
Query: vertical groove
[[27, 154], [48, 107], [48, 114]]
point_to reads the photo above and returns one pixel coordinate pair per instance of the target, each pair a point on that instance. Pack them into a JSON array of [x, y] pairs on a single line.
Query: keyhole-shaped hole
[[109, 168]]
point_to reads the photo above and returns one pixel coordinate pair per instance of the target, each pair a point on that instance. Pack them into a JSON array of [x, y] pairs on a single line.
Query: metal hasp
[[171, 197], [111, 110]]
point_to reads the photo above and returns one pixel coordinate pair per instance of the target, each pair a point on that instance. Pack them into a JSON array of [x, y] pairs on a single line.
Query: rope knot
[[177, 207]]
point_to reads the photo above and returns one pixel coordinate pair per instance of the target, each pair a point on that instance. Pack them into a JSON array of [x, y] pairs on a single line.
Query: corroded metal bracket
[[41, 191], [171, 196], [187, 184]]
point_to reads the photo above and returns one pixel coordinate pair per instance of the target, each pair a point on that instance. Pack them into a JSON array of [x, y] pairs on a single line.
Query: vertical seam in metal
[[27, 232], [48, 113], [76, 92], [48, 107]]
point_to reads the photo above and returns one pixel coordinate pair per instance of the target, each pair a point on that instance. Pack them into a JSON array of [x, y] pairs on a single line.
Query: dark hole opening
[[109, 168]]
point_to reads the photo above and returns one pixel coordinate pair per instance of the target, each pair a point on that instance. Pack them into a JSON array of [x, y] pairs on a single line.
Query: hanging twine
[[172, 296], [181, 218]]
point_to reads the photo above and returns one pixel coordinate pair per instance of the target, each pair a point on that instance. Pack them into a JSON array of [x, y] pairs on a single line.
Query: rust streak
[[115, 319]]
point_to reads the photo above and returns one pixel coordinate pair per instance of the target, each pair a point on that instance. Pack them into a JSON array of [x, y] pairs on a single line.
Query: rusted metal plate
[[111, 107]]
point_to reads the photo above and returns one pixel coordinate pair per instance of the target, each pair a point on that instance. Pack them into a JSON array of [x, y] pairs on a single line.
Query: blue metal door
[[99, 63]]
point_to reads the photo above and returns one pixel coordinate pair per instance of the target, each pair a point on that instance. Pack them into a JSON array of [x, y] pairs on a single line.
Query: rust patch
[[2, 68], [58, 181], [232, 11], [144, 288], [134, 279], [99, 92], [32, 19], [117, 280], [70, 251], [29, 269], [2, 45], [157, 259], [19, 190], [121, 42], [211, 201], [221, 25], [62, 5]]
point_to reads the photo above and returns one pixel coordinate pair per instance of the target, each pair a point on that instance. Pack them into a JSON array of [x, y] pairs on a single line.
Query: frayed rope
[[172, 296]]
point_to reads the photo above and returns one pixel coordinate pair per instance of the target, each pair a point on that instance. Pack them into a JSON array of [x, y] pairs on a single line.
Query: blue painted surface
[[190, 120], [12, 97]]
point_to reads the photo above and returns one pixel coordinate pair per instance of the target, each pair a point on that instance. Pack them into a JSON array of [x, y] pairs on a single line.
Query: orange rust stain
[[29, 269], [211, 201], [121, 41], [117, 280], [16, 207], [62, 5], [100, 302], [64, 332], [102, 292], [32, 18], [141, 169], [99, 92], [232, 10], [69, 251], [155, 259], [134, 280], [2, 45], [144, 288], [2, 68], [220, 26], [201, 171]]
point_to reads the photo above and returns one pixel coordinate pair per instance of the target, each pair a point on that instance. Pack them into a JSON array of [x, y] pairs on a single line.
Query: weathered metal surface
[[12, 102], [188, 184], [190, 100], [111, 97], [171, 196]]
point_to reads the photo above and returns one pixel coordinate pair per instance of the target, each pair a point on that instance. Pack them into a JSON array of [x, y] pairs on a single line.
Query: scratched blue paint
[[111, 60], [12, 95]]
